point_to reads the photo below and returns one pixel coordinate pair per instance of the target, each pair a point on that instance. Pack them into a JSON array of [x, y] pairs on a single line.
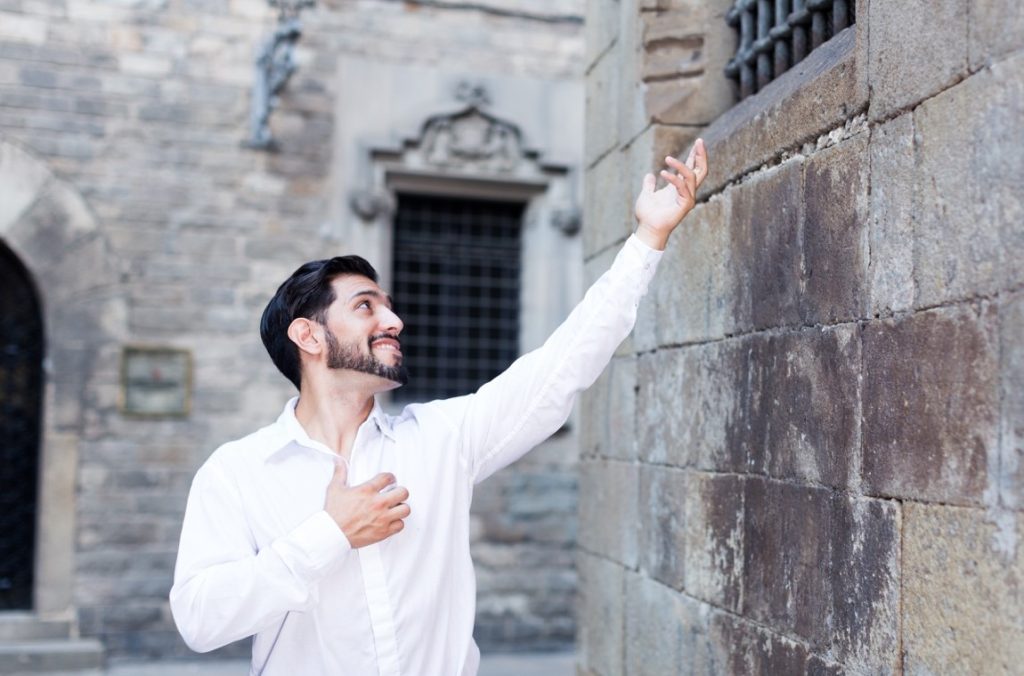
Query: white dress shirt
[[259, 555]]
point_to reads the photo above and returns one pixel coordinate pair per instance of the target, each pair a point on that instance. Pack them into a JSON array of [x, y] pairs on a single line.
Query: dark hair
[[307, 293]]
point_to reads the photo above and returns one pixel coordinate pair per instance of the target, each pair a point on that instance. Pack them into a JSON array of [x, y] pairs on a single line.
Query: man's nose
[[391, 322]]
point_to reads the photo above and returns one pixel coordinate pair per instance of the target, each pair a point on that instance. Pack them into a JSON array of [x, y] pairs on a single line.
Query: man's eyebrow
[[379, 295]]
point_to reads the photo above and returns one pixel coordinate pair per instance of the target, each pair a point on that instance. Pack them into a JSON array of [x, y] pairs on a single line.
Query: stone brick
[[694, 294], [748, 649], [603, 603], [865, 585], [908, 66], [995, 28], [712, 539], [1010, 478], [835, 233], [607, 206], [684, 51], [814, 97], [602, 106], [963, 604], [956, 254], [787, 537], [796, 402], [663, 493], [659, 407], [608, 510], [594, 417], [621, 419], [824, 567], [931, 393], [765, 248], [666, 632], [893, 213]]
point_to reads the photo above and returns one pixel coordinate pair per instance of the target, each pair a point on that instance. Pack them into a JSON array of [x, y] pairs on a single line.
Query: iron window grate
[[21, 388], [456, 286], [777, 34]]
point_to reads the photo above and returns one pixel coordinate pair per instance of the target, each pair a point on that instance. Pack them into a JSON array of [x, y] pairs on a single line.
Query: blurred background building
[[164, 165]]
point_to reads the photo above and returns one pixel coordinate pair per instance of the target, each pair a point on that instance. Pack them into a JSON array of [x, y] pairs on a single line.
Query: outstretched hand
[[658, 212]]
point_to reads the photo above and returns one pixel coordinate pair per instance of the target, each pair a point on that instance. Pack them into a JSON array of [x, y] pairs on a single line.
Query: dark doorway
[[21, 396]]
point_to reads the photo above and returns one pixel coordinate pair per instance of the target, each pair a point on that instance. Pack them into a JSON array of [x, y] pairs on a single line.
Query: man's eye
[[365, 304]]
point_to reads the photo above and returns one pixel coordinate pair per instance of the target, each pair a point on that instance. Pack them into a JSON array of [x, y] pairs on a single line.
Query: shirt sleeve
[[224, 588], [532, 399]]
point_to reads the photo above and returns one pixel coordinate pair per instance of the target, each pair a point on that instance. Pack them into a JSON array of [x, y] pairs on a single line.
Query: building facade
[[807, 459], [148, 211]]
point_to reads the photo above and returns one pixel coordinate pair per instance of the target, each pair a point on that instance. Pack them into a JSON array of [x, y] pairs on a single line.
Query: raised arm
[[527, 403]]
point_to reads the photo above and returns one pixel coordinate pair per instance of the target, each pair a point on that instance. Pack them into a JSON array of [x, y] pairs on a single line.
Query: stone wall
[[807, 457], [140, 108]]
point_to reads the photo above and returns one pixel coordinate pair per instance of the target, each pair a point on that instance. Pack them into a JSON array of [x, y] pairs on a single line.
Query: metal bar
[[763, 45], [747, 85], [840, 16], [818, 27], [797, 19], [780, 34]]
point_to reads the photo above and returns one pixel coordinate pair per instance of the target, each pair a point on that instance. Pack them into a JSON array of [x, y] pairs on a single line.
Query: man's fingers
[[395, 496], [401, 511], [689, 158], [381, 481], [700, 161], [685, 181], [649, 183]]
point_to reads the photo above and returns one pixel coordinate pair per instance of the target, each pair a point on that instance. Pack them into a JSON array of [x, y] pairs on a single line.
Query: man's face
[[362, 331]]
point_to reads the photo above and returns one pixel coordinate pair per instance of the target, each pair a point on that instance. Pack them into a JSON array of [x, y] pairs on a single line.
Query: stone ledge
[[818, 94]]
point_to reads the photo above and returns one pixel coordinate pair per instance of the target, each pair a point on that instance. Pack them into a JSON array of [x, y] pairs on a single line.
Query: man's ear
[[306, 334]]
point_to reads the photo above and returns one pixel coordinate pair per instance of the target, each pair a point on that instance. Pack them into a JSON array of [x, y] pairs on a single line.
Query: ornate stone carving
[[471, 140]]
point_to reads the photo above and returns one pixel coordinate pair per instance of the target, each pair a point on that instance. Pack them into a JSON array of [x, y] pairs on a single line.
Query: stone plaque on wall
[[156, 381]]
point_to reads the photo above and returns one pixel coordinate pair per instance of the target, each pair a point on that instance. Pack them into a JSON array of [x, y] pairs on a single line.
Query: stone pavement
[[527, 664]]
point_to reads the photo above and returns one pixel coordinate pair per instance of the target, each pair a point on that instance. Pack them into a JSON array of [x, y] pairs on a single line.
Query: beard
[[349, 357]]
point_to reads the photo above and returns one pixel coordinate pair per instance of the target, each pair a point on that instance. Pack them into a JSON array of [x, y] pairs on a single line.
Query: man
[[339, 535]]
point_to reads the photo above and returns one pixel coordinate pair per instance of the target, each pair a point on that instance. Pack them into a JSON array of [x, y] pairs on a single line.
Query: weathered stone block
[[694, 293], [602, 107], [825, 568], [666, 632], [621, 418], [796, 408], [908, 66], [835, 233], [787, 537], [663, 494], [745, 648], [893, 214], [765, 248], [956, 254], [963, 604], [995, 28], [701, 418], [608, 510], [659, 382], [865, 580], [1011, 453], [593, 416], [601, 28], [607, 206], [930, 401], [712, 539], [602, 602]]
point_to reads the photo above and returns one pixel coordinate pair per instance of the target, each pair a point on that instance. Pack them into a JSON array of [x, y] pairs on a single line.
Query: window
[[456, 266], [776, 34]]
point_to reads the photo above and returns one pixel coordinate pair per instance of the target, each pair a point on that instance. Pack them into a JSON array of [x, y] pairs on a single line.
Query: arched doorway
[[21, 396]]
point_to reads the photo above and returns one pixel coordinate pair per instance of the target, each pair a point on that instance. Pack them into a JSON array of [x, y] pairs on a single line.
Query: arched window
[[21, 396]]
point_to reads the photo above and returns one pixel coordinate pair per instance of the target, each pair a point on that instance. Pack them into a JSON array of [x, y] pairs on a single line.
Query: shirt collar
[[287, 429]]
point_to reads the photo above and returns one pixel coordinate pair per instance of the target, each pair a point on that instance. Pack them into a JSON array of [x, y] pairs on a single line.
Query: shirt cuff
[[643, 257], [315, 544]]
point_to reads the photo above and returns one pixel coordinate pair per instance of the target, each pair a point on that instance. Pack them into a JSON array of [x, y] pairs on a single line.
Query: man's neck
[[333, 416]]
